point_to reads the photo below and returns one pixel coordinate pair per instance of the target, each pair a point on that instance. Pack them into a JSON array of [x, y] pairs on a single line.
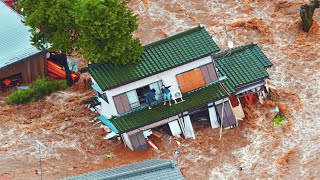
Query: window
[[142, 93], [136, 98]]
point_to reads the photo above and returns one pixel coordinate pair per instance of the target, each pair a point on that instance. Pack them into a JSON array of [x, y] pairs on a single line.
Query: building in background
[[20, 61], [155, 169]]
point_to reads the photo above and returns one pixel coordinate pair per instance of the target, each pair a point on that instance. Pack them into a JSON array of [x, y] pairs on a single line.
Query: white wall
[[167, 77]]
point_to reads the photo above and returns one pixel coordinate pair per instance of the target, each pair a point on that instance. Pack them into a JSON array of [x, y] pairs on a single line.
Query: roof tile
[[157, 57]]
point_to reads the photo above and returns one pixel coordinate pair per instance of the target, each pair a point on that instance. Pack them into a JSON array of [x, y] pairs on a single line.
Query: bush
[[36, 91]]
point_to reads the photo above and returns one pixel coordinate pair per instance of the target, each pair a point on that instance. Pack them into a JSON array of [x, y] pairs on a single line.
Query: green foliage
[[36, 91], [55, 19], [278, 120], [106, 31], [100, 30]]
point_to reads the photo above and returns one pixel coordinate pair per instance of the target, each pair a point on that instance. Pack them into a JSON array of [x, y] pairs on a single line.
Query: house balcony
[[142, 116]]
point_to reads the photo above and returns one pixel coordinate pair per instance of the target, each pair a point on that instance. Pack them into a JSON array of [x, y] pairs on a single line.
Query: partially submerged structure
[[151, 169], [201, 80], [20, 61]]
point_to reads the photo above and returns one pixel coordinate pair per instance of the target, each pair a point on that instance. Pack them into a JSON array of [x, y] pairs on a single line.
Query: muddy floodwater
[[256, 149]]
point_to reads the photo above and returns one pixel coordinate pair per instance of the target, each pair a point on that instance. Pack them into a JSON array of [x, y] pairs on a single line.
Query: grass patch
[[40, 88]]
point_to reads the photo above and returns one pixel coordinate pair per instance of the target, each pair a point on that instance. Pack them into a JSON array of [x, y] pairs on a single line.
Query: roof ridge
[[233, 50], [175, 36]]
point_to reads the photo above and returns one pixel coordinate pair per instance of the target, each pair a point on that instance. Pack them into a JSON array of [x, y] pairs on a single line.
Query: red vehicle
[[9, 83]]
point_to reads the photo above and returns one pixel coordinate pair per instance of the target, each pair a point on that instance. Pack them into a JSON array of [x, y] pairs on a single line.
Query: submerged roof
[[144, 117], [15, 44], [158, 56], [242, 65], [155, 169]]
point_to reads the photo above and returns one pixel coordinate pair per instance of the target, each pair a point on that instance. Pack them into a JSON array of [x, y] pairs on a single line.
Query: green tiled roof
[[155, 169], [192, 100], [15, 44], [159, 56], [245, 64]]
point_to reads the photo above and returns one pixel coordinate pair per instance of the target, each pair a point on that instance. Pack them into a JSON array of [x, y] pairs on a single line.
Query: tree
[[306, 13], [101, 30], [106, 31]]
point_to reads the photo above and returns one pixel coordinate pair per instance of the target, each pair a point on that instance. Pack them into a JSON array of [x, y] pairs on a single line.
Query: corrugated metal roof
[[145, 116], [15, 43], [158, 56], [151, 169], [244, 65]]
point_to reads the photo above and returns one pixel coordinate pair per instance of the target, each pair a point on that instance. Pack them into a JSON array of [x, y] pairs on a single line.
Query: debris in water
[[176, 153], [279, 120]]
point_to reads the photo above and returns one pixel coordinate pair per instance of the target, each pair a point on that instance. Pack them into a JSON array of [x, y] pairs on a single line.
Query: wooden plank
[[205, 74], [125, 102], [190, 80], [230, 116], [157, 134], [212, 72], [142, 141], [34, 67], [225, 122], [28, 71]]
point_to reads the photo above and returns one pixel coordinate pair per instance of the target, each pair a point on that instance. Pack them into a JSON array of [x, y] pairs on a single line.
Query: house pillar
[[126, 140], [186, 126], [213, 116], [175, 128]]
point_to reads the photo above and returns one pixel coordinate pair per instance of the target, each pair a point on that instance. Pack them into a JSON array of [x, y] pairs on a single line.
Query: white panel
[[108, 109], [189, 132], [213, 117], [238, 111], [127, 141], [175, 128]]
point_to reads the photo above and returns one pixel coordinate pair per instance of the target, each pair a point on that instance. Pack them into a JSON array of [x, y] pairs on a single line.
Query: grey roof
[[15, 44], [155, 169]]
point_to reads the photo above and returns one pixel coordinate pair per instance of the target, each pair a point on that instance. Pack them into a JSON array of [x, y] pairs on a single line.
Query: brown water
[[254, 150]]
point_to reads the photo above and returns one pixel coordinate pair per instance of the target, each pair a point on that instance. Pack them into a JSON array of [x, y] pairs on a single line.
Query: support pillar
[[213, 116], [186, 125]]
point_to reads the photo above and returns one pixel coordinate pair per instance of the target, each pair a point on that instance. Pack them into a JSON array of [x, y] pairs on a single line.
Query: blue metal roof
[[154, 169], [15, 44]]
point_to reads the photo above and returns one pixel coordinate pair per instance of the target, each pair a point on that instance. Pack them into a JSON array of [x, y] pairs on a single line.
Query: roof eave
[[121, 132]]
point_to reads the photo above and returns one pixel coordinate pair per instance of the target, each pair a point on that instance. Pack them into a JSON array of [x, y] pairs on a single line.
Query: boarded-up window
[[208, 72], [190, 80], [122, 103]]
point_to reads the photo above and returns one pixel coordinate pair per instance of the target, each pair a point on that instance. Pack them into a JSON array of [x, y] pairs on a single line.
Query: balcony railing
[[137, 106]]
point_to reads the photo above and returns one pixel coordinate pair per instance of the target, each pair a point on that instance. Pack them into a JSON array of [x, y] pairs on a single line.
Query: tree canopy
[[101, 30]]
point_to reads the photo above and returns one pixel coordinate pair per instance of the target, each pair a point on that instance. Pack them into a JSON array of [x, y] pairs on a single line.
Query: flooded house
[[200, 80]]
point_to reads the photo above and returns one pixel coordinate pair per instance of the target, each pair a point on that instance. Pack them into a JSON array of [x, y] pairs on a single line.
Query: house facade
[[20, 61], [190, 64]]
